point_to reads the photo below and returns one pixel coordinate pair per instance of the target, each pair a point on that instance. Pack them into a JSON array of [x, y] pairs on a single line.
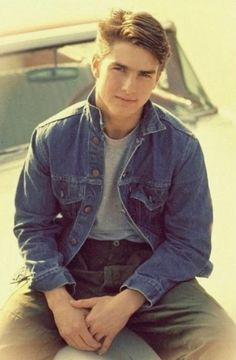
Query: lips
[[125, 99]]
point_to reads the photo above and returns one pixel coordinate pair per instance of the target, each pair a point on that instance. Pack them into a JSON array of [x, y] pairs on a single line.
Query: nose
[[129, 84]]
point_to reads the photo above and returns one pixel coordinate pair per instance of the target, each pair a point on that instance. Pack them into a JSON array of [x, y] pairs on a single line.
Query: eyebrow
[[125, 67]]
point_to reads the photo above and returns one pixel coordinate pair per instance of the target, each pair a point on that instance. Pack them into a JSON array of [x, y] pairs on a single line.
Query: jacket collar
[[150, 121]]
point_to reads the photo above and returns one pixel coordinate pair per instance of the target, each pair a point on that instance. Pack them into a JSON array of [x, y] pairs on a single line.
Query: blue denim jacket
[[163, 189]]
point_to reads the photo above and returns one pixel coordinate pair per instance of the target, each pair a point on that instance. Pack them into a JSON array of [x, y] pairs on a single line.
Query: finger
[[79, 344], [99, 337], [85, 312], [85, 303], [105, 346], [89, 339], [91, 330], [74, 340]]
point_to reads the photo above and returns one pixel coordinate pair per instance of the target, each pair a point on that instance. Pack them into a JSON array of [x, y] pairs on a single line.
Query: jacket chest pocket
[[146, 205], [70, 194]]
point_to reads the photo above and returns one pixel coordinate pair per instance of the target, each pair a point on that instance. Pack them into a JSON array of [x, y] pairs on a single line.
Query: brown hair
[[140, 29]]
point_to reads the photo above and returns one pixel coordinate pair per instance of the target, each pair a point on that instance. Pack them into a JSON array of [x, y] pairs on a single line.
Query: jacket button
[[95, 172], [74, 241], [95, 140], [88, 209]]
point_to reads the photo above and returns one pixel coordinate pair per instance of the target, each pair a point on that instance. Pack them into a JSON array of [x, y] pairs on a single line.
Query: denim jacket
[[163, 190]]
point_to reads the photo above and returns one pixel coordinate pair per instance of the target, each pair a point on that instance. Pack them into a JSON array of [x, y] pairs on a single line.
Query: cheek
[[109, 83], [145, 88], [101, 85]]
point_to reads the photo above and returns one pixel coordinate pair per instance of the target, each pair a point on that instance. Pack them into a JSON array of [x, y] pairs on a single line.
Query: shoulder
[[60, 128], [176, 136], [172, 123], [66, 115]]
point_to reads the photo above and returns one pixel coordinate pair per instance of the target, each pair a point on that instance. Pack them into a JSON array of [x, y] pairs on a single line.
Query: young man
[[113, 217]]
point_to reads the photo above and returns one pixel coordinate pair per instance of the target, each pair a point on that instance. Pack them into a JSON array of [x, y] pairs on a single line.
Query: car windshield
[[37, 84], [31, 89]]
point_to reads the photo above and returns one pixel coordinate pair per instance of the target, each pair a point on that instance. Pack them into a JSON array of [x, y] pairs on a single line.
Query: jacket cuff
[[57, 277], [150, 288]]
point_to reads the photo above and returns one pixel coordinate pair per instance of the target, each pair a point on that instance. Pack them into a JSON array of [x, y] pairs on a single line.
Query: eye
[[146, 75], [118, 68]]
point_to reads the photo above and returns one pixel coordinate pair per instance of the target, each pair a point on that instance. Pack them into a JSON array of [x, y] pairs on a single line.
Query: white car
[[43, 72]]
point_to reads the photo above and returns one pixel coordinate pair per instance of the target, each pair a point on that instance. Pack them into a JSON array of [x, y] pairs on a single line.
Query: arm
[[37, 230], [185, 251], [35, 225]]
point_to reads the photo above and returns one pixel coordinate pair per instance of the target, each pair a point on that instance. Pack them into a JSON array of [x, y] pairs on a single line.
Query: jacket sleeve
[[36, 225], [185, 251]]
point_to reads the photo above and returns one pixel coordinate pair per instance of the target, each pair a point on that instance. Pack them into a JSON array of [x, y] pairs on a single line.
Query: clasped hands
[[106, 317], [92, 324]]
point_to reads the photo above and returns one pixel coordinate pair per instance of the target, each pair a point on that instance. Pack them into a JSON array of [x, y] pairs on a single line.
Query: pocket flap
[[68, 189], [151, 197]]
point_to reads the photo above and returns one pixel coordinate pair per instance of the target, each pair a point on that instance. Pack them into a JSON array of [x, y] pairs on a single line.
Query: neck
[[119, 128]]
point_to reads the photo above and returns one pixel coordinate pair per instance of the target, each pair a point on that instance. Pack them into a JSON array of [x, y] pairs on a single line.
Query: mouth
[[127, 100]]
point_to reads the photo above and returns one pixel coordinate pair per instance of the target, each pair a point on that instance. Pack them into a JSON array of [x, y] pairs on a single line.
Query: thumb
[[84, 303]]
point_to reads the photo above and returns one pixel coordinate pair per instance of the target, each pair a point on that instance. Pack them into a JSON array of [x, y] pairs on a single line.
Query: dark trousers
[[185, 324]]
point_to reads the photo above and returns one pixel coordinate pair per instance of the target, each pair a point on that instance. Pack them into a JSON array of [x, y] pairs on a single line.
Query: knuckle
[[88, 321]]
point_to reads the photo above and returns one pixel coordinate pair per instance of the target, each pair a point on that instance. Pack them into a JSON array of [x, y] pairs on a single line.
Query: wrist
[[57, 296], [133, 299]]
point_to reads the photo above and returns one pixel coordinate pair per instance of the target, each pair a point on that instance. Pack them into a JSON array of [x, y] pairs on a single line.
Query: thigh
[[27, 328], [187, 323]]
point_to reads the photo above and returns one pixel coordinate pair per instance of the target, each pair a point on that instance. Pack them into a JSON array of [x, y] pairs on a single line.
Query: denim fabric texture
[[163, 189]]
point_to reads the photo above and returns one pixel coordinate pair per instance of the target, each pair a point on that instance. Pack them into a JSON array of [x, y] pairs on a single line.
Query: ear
[[95, 66]]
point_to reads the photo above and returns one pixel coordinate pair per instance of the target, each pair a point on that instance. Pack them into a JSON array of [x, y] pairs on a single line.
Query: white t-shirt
[[111, 222]]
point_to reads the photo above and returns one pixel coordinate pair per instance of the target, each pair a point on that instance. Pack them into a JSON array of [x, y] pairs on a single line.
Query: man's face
[[125, 79]]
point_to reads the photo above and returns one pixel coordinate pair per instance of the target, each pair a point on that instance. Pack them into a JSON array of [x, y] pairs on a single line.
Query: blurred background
[[206, 30]]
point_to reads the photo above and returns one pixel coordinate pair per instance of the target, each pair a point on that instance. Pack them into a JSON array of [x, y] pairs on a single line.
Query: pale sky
[[17, 14]]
